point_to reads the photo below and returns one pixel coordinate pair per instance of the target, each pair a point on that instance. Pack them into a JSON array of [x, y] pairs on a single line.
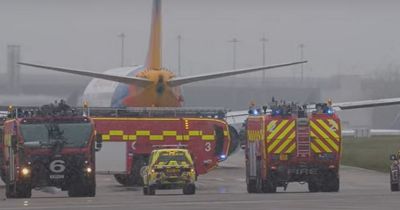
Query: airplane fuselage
[[157, 94]]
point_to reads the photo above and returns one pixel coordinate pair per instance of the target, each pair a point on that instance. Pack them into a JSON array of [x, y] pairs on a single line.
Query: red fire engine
[[290, 144], [42, 149], [130, 135]]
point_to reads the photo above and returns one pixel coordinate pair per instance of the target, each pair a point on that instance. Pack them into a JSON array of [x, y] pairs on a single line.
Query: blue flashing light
[[222, 157], [330, 111]]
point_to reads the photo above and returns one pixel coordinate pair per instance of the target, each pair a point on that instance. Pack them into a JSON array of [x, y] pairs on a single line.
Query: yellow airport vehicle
[[171, 168]]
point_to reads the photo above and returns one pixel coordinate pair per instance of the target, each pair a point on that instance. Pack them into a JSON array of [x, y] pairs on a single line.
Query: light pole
[[122, 36], [179, 55], [301, 46], [264, 42], [234, 42]]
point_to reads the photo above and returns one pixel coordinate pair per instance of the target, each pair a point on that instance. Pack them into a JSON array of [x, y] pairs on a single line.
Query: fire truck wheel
[[152, 190], [331, 183], [145, 190], [23, 191], [9, 191], [394, 187], [268, 186], [313, 186], [189, 189], [123, 179], [82, 189], [252, 186]]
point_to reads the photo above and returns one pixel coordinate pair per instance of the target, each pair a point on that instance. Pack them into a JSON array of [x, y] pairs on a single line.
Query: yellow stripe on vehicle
[[156, 137], [116, 133], [328, 129], [333, 144], [315, 149], [291, 148], [194, 133], [325, 137], [318, 130], [289, 140], [105, 137], [271, 125], [282, 136], [169, 133], [208, 137], [142, 133], [276, 130], [322, 145]]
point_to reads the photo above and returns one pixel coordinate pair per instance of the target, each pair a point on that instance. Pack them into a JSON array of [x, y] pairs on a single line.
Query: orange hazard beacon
[[291, 143]]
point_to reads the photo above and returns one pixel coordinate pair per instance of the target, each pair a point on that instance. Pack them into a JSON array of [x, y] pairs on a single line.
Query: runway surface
[[223, 188]]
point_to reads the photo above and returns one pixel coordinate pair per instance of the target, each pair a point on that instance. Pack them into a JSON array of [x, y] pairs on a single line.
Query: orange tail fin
[[154, 60]]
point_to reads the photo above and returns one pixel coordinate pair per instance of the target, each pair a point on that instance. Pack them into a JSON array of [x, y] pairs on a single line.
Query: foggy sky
[[341, 36]]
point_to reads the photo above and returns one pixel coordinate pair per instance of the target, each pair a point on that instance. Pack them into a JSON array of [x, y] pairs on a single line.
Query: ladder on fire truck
[[303, 137]]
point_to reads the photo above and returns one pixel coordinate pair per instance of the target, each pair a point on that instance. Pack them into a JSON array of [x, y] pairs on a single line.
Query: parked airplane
[[150, 85]]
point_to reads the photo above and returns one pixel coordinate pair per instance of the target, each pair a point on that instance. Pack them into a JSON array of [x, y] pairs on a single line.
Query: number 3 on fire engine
[[207, 146]]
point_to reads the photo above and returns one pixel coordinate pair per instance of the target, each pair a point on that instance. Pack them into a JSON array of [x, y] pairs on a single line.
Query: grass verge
[[370, 153]]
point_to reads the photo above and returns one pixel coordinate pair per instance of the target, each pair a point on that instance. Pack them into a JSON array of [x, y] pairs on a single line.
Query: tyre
[[18, 191], [145, 191], [189, 189], [152, 190], [313, 186], [268, 186], [331, 183], [251, 186], [124, 179], [10, 191], [394, 187], [23, 191], [86, 188]]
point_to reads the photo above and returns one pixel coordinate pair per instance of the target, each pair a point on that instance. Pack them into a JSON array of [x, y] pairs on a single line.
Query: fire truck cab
[[40, 150], [293, 144]]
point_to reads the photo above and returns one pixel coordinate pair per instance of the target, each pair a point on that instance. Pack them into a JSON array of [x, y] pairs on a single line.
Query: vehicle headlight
[[25, 171], [89, 170]]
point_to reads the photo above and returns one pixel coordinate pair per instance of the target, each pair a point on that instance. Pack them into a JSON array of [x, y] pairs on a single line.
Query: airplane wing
[[237, 117], [184, 80], [366, 103], [127, 80]]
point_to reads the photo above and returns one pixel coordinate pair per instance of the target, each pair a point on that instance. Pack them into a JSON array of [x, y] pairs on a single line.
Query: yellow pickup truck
[[169, 169]]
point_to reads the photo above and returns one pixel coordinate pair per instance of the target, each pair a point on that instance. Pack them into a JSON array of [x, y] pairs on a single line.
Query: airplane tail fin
[[154, 60]]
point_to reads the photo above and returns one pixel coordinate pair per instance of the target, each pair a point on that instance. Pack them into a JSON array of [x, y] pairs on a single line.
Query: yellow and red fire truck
[[130, 135], [290, 144]]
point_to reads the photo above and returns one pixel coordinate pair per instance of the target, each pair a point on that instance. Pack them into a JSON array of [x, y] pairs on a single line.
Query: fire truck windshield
[[72, 134]]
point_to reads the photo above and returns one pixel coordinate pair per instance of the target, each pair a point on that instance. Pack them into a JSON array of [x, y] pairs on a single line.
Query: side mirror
[[393, 157], [143, 171], [99, 142]]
